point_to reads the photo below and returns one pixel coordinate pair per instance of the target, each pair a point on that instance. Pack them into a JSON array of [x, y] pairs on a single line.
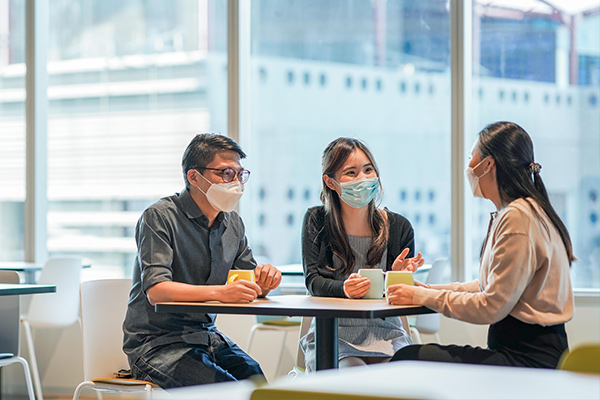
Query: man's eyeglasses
[[229, 174]]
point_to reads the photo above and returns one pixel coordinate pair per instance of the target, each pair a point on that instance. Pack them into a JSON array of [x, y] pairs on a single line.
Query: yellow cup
[[243, 274], [395, 277]]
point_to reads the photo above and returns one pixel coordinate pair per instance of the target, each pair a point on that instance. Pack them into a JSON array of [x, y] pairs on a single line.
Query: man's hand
[[401, 263], [240, 291], [267, 277], [356, 286]]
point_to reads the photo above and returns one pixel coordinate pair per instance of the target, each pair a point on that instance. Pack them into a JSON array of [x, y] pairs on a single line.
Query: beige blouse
[[524, 273]]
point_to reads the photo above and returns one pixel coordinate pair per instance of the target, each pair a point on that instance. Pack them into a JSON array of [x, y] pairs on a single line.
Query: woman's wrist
[[345, 293]]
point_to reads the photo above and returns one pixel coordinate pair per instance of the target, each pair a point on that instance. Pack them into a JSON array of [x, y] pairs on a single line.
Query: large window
[[373, 70], [539, 65], [12, 129], [130, 83]]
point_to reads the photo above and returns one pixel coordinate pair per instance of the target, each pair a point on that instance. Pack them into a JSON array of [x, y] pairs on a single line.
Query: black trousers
[[510, 342]]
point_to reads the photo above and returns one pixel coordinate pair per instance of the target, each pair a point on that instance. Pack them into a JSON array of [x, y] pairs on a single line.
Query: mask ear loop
[[488, 169], [198, 187], [332, 180]]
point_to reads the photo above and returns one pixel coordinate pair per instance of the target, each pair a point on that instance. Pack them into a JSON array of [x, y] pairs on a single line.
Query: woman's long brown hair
[[334, 157]]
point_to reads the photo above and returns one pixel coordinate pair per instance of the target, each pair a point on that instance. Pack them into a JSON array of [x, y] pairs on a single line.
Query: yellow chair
[[288, 394], [584, 358]]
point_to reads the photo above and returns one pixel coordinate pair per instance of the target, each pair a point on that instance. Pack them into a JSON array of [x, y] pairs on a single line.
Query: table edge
[[14, 291], [220, 308]]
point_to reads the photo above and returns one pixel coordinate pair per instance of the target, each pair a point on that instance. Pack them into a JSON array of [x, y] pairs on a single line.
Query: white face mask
[[223, 196], [474, 179]]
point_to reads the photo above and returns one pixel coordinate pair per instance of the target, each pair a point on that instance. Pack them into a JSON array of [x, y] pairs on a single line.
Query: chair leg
[[80, 387], [27, 373], [283, 342], [416, 336], [251, 336], [34, 367]]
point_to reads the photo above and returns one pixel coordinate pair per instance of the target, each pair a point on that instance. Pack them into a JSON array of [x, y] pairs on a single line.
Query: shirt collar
[[192, 211]]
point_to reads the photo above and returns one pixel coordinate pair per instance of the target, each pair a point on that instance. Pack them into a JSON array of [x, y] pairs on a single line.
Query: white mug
[[375, 275]]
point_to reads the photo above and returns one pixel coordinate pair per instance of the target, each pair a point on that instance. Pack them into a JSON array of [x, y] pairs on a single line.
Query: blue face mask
[[360, 192]]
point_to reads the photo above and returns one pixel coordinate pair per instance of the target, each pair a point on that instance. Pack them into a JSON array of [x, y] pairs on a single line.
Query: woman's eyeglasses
[[229, 174]]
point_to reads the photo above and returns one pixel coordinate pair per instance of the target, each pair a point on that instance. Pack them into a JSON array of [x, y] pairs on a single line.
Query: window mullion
[[460, 67], [36, 114]]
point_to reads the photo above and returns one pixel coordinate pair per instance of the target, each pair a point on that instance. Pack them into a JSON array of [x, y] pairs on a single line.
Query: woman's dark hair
[[517, 173], [202, 150], [334, 157]]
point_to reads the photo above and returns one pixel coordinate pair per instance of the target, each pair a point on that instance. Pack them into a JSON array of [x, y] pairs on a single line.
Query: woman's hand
[[400, 294], [401, 263], [356, 286]]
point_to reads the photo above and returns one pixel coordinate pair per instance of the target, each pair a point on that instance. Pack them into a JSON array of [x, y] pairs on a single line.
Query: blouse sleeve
[[316, 282], [472, 286], [511, 268]]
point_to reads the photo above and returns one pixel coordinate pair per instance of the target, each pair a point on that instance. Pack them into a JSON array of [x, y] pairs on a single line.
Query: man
[[187, 243]]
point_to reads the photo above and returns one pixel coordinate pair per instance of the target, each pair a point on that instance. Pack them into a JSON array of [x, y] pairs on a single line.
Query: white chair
[[282, 325], [430, 323], [103, 308], [56, 311], [300, 367], [10, 331]]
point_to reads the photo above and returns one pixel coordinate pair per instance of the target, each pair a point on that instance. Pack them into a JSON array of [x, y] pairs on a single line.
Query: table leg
[[326, 343]]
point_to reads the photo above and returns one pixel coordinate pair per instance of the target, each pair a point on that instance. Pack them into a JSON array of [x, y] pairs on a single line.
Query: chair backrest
[[583, 358], [62, 308], [439, 272], [103, 308], [9, 317]]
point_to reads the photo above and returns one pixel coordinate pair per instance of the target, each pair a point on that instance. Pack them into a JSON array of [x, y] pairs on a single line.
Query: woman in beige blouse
[[524, 287]]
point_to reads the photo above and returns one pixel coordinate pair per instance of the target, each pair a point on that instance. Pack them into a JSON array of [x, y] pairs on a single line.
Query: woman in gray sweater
[[347, 233]]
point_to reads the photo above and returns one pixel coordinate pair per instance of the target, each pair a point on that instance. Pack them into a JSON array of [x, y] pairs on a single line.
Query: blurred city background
[[130, 82]]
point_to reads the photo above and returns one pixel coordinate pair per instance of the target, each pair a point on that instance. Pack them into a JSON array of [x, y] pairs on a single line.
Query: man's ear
[[329, 182], [193, 177]]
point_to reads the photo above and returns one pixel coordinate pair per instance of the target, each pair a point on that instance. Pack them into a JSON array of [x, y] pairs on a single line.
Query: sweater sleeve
[[312, 244], [402, 236], [512, 265]]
